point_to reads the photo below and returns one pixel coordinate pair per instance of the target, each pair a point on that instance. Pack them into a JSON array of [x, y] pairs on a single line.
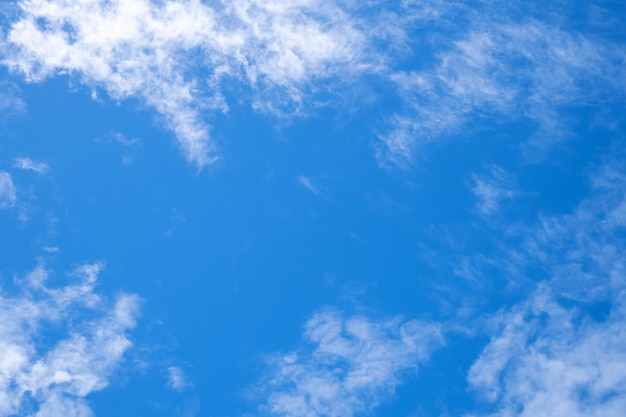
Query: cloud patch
[[45, 377], [347, 365], [27, 164], [542, 363], [176, 378]]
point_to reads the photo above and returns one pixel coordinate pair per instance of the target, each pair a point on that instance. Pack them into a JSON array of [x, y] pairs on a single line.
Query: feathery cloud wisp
[[562, 351], [347, 366], [59, 378], [150, 50], [503, 72]]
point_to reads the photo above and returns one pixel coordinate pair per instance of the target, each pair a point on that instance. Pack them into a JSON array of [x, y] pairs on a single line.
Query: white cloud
[[348, 365], [503, 72], [7, 191], [546, 361], [150, 50], [562, 351], [58, 374], [28, 164]]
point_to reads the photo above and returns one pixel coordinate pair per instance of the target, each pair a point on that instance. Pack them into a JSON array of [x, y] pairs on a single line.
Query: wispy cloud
[[150, 50], [8, 195], [176, 378], [503, 72], [562, 350], [11, 102], [54, 378], [347, 365], [120, 138], [306, 183], [26, 163], [132, 145], [282, 54], [545, 361], [490, 190]]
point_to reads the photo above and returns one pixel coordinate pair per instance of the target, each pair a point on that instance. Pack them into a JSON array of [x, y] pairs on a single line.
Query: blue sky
[[315, 208]]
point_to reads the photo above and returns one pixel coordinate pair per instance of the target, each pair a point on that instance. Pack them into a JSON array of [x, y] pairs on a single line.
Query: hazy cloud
[[11, 101], [7, 191], [306, 183], [120, 138], [491, 189]]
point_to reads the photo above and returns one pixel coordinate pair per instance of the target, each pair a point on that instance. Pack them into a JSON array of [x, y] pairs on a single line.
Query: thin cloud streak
[[306, 183], [27, 164]]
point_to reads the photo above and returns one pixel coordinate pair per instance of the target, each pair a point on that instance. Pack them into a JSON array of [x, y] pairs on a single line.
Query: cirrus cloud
[[150, 50]]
